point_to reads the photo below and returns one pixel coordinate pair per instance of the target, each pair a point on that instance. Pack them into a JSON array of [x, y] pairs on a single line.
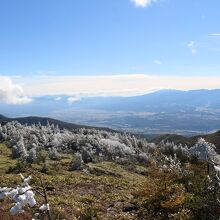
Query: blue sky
[[109, 37]]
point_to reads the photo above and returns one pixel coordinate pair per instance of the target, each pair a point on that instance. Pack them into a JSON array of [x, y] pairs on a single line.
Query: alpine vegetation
[[92, 145], [106, 175]]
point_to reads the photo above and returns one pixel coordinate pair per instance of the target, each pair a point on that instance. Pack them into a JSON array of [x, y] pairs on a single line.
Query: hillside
[[93, 174], [213, 138], [177, 139]]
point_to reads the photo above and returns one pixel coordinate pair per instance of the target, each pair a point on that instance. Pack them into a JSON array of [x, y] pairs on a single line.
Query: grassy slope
[[103, 194], [100, 194], [5, 159]]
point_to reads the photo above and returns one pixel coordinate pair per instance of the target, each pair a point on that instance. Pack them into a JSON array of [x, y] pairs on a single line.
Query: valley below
[[187, 113], [146, 123]]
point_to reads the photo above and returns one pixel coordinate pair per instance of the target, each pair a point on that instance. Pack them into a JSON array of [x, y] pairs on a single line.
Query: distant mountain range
[[166, 111]]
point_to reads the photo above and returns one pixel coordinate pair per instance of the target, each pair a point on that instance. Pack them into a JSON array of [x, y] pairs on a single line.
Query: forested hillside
[[98, 174]]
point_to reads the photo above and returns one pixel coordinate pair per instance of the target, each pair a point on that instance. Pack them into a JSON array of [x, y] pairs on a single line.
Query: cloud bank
[[77, 87], [112, 85], [11, 93]]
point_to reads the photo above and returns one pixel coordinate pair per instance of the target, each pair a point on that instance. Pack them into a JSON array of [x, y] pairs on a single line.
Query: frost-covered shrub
[[203, 150], [53, 154], [170, 149], [32, 155], [142, 158], [76, 162], [87, 156], [114, 148], [94, 145], [19, 150], [27, 141], [169, 164]]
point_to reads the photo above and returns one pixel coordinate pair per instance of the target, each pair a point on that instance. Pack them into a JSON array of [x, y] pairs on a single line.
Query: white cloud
[[143, 3], [11, 93], [112, 85], [157, 62], [73, 99], [192, 46], [215, 34], [58, 98]]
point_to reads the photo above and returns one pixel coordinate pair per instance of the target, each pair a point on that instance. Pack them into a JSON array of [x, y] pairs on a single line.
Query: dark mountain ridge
[[44, 120]]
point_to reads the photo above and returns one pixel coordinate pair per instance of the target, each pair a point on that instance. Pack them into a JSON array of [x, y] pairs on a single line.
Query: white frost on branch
[[22, 195], [217, 168], [44, 207]]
